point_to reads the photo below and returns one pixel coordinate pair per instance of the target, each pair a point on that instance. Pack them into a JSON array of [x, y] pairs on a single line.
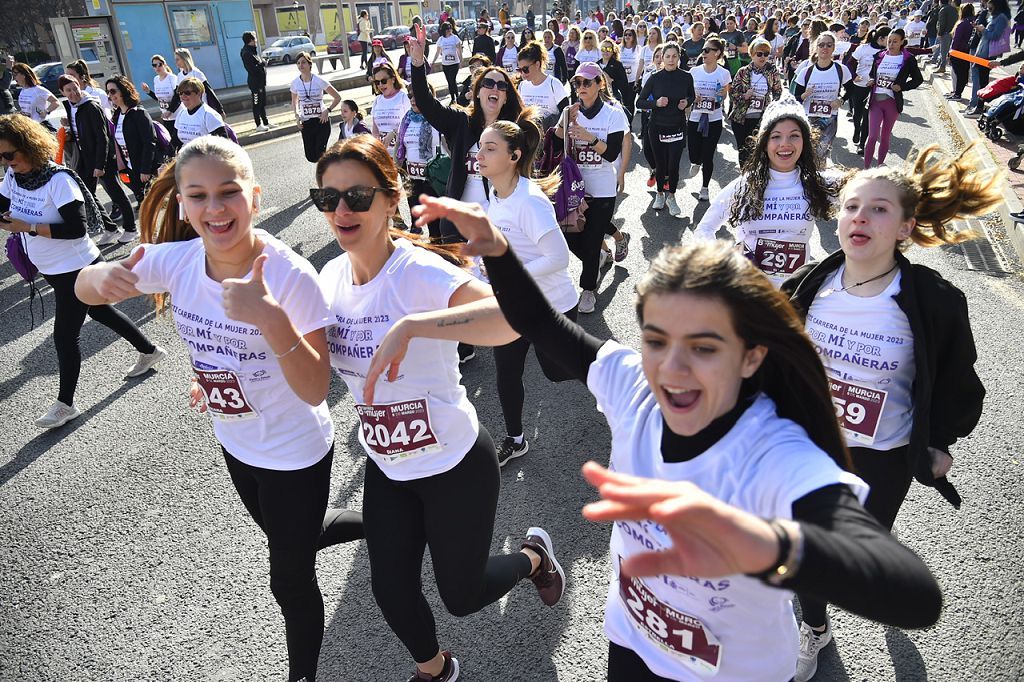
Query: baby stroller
[[1007, 113]]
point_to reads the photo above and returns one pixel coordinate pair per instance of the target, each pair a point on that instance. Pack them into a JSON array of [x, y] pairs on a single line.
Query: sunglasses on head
[[582, 82], [380, 81], [7, 156], [500, 86], [358, 198]]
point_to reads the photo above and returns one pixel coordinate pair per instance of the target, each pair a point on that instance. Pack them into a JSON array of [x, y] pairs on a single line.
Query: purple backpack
[[163, 139], [569, 200], [23, 265]]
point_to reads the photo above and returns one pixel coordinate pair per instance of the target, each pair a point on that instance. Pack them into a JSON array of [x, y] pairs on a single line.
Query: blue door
[[144, 32], [194, 26], [234, 17]]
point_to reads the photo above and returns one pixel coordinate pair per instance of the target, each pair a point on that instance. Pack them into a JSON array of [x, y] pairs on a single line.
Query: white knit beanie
[[784, 107]]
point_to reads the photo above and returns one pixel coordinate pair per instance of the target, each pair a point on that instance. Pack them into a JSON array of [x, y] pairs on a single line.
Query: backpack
[[570, 199], [163, 139], [807, 77], [17, 254], [438, 170]]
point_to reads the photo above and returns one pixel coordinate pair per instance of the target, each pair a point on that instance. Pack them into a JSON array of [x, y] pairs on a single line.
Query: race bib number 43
[[396, 431], [679, 634], [225, 399], [775, 257], [858, 409]]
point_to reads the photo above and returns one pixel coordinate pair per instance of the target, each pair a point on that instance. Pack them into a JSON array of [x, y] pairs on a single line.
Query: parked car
[[354, 46], [518, 24], [48, 73], [285, 50], [392, 36], [433, 32]]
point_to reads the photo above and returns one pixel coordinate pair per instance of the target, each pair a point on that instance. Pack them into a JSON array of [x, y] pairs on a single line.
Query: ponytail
[[525, 137], [158, 218], [351, 104]]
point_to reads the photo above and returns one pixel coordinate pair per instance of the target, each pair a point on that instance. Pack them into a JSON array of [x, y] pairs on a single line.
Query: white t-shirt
[[449, 48], [510, 59], [647, 54], [415, 163], [524, 218], [119, 138], [74, 116], [32, 102], [50, 256], [100, 96], [310, 96], [202, 121], [164, 91], [588, 56], [545, 96], [388, 113], [474, 191], [422, 424], [759, 102], [256, 415], [552, 58], [685, 627], [630, 58], [827, 84], [915, 33], [867, 347], [709, 86], [888, 70], [599, 175], [865, 56]]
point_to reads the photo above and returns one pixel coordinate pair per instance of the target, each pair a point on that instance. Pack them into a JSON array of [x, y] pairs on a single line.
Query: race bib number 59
[[396, 431], [858, 409]]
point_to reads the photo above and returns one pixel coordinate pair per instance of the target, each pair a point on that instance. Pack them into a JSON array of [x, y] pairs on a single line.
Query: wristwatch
[[32, 230]]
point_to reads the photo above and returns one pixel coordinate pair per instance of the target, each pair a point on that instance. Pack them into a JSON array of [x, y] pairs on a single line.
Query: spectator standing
[[6, 76], [256, 79], [962, 33], [995, 41], [944, 23], [530, 18], [365, 29]]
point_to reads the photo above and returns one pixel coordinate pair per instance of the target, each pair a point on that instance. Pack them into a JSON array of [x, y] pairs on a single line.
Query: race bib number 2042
[[396, 431]]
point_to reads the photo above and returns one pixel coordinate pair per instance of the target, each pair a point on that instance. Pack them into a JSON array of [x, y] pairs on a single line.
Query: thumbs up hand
[[116, 281], [249, 300]]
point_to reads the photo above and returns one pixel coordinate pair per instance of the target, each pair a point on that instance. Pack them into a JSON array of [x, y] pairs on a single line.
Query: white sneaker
[[811, 643], [128, 237], [703, 194], [146, 362], [108, 237], [659, 202], [270, 125], [587, 301], [603, 259], [673, 207], [263, 127], [58, 415]]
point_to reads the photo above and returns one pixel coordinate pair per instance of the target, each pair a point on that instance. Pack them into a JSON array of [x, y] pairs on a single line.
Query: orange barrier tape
[[970, 58]]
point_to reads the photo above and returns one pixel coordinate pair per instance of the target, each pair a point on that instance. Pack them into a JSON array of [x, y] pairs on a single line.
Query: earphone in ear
[[515, 156], [256, 203], [181, 211]]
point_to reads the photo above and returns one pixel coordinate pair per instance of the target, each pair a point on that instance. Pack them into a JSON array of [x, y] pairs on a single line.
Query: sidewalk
[[999, 153]]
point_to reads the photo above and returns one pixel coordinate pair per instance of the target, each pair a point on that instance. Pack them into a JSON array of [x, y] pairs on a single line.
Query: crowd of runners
[[765, 433]]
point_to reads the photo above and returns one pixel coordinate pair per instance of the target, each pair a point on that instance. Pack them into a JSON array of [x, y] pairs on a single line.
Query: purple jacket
[[962, 35]]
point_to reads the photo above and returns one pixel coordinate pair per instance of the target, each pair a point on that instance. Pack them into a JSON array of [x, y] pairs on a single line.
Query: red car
[[337, 47], [392, 36]]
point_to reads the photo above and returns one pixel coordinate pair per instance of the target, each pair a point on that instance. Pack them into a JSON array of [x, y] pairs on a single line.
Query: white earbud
[[181, 212], [256, 203]]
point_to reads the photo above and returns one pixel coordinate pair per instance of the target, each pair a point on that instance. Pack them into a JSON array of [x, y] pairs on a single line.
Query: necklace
[[832, 290]]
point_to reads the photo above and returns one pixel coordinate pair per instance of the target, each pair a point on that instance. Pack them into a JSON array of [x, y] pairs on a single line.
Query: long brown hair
[[513, 102], [791, 373], [371, 153], [524, 136], [28, 137]]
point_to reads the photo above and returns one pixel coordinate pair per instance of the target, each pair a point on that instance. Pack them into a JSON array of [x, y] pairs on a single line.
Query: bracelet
[[281, 355], [791, 553]]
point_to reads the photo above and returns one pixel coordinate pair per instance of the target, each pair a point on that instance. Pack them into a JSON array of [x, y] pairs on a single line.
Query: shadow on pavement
[[905, 657]]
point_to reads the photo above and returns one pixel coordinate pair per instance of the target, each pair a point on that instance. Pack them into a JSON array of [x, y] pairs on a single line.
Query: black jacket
[[485, 45], [140, 140], [6, 99], [616, 72], [255, 67], [561, 69], [948, 394], [908, 78], [95, 144]]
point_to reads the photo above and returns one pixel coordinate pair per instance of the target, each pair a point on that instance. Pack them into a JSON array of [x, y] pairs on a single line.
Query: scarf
[[592, 111], [96, 219], [426, 139]]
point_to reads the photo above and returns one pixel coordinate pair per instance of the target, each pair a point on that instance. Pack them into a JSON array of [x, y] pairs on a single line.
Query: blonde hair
[[615, 48], [185, 55]]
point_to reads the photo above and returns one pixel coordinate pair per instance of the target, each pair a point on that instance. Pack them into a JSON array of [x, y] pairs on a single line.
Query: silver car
[[285, 50]]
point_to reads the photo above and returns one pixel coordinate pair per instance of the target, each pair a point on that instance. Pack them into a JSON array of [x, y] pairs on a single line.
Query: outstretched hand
[[417, 46], [248, 300], [710, 538], [483, 238]]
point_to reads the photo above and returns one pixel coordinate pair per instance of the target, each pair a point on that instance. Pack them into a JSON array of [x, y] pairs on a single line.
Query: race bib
[[586, 157], [397, 431], [311, 109], [448, 59], [885, 82], [858, 409], [705, 104], [679, 634], [416, 171], [820, 108], [672, 137], [730, 51], [756, 103], [472, 165], [384, 139], [774, 257], [225, 399], [164, 104]]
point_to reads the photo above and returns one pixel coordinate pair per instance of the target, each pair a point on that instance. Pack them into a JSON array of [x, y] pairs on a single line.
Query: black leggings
[[288, 506], [629, 103], [453, 514], [509, 364], [702, 148], [625, 665], [68, 319], [586, 245], [416, 188], [859, 104], [645, 137], [961, 75], [450, 72], [666, 157], [888, 474], [743, 132], [116, 193], [315, 135], [259, 104]]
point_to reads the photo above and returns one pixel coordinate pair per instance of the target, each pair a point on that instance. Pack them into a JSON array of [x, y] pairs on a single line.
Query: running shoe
[[510, 449], [449, 673], [108, 237], [973, 113], [59, 414], [588, 301], [811, 643], [651, 181], [703, 196], [549, 577], [659, 202], [673, 207], [128, 237], [466, 352], [146, 362], [622, 248]]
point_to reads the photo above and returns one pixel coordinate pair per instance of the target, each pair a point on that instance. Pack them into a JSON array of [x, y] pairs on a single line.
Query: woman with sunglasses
[[264, 380], [34, 100], [417, 144], [616, 78], [858, 88], [165, 86], [629, 55], [556, 66], [449, 51], [195, 118], [596, 131], [894, 72], [508, 54], [666, 95], [526, 37], [313, 120], [493, 97], [754, 87], [134, 136], [589, 49], [476, 63], [700, 399], [391, 104], [571, 47], [432, 476], [819, 85], [704, 130], [538, 89]]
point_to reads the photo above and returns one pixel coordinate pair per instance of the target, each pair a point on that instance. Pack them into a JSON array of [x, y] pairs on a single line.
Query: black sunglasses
[[7, 156], [157, 65], [526, 69], [113, 91], [709, 49], [378, 82], [761, 54], [582, 82], [500, 86], [358, 198]]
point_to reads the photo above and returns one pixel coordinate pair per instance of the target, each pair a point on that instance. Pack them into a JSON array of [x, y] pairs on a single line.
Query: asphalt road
[[126, 553]]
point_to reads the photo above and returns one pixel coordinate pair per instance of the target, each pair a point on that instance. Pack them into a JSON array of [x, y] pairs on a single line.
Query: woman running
[[589, 49], [79, 70], [693, 47], [645, 116], [449, 50], [351, 120], [538, 89], [164, 90], [616, 77], [34, 100], [252, 315], [597, 131], [391, 104], [195, 117], [704, 129], [508, 53], [133, 133], [629, 55], [705, 396], [893, 72], [432, 477], [417, 144], [405, 62], [736, 48], [859, 88], [313, 120], [51, 210], [901, 412], [753, 88], [556, 66], [819, 85], [666, 95], [774, 205], [647, 54]]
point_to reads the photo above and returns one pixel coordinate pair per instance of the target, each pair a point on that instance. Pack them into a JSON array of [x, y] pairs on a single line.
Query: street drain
[[981, 255]]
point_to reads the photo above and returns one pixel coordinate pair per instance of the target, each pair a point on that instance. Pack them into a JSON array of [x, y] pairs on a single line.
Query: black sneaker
[[466, 352], [549, 579], [510, 449], [449, 673]]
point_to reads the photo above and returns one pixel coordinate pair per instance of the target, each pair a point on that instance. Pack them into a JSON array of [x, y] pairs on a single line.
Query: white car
[[285, 50]]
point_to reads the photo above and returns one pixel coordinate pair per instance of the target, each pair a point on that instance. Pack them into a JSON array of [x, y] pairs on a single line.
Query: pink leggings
[[882, 115]]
